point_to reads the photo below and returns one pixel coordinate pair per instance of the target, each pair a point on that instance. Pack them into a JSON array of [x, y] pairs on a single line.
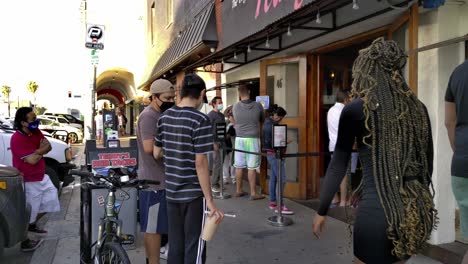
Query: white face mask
[[220, 107]]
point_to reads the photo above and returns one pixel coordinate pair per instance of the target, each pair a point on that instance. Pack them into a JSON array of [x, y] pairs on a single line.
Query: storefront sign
[[102, 158], [242, 18]]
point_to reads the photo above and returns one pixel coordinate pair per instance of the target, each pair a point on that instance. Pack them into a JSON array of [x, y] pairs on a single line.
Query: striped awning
[[199, 34]]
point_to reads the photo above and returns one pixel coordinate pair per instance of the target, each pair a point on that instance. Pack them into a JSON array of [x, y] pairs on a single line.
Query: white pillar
[[435, 68]]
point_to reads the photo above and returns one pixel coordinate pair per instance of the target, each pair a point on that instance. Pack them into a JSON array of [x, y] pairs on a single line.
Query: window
[[152, 21], [169, 13]]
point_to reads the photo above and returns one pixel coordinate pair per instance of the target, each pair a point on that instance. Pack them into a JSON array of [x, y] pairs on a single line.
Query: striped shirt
[[183, 133]]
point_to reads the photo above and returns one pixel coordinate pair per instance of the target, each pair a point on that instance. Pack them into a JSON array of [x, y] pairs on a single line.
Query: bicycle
[[108, 245]]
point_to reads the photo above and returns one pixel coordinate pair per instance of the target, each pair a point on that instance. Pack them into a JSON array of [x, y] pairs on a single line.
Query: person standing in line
[[28, 146], [391, 126], [456, 121], [248, 117], [99, 127], [216, 117], [228, 168], [277, 114], [122, 123], [184, 138], [333, 119], [153, 209]]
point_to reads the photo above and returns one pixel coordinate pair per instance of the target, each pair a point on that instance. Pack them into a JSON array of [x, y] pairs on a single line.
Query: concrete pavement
[[248, 238]]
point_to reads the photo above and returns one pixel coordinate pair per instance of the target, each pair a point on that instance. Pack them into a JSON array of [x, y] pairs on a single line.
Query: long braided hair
[[401, 143]]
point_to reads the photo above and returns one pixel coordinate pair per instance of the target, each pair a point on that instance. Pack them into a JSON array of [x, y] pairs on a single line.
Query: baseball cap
[[161, 86]]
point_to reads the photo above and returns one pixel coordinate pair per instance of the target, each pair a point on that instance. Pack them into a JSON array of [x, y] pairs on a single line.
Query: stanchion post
[[279, 142], [220, 137]]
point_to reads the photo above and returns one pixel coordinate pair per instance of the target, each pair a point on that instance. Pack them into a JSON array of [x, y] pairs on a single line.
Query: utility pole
[[93, 103]]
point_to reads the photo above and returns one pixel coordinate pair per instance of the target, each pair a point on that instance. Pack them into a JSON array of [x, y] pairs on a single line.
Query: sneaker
[[272, 205], [164, 252], [285, 211], [225, 181], [30, 245], [233, 181], [34, 229], [215, 189]]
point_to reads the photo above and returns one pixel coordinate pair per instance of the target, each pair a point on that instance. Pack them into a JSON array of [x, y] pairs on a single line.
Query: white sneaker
[[164, 252]]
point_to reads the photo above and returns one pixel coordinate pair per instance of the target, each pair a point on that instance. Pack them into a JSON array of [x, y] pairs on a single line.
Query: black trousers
[[185, 226]]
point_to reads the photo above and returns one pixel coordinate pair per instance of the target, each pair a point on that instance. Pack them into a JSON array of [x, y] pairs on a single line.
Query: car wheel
[[53, 175], [73, 137]]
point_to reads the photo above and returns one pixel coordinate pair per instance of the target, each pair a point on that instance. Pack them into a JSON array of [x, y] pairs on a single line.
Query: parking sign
[[94, 36]]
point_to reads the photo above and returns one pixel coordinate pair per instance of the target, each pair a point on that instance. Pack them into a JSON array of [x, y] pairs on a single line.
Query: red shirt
[[23, 145]]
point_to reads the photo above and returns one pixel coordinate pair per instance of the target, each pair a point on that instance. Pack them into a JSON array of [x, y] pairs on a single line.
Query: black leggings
[[185, 226]]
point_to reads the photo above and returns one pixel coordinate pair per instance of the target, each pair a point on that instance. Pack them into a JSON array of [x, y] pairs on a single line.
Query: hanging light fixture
[[267, 42], [318, 20], [355, 5], [289, 33], [235, 55], [249, 49]]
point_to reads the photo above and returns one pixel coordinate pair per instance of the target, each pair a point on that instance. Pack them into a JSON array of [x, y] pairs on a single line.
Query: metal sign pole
[[279, 134]]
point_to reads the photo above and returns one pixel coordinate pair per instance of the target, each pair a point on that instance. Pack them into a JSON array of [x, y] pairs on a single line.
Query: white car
[[61, 120], [49, 125], [58, 160]]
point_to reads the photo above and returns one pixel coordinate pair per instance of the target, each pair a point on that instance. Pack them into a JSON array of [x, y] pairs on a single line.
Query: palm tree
[[32, 88], [6, 90]]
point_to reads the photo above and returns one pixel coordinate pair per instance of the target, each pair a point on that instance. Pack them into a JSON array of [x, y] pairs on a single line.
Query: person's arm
[[147, 130], [338, 165], [451, 122], [158, 152], [202, 141]]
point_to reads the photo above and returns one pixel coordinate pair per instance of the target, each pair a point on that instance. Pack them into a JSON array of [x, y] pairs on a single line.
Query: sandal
[[256, 197], [240, 194]]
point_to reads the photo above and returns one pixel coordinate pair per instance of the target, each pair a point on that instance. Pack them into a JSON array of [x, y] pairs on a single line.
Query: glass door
[[284, 81]]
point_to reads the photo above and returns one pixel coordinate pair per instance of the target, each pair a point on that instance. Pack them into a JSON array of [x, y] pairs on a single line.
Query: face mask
[[33, 125], [166, 105], [220, 107]]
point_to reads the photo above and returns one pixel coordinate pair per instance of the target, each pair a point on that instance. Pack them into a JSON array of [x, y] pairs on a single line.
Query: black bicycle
[[108, 245]]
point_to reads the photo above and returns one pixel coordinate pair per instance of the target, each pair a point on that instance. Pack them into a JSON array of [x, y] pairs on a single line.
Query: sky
[[42, 41]]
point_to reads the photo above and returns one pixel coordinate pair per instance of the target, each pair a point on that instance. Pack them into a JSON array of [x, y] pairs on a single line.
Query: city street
[[248, 238]]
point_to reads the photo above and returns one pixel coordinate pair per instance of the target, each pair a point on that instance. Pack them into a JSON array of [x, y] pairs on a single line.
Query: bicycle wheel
[[112, 253]]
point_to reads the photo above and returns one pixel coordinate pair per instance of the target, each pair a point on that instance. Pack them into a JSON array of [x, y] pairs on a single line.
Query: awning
[[200, 35]]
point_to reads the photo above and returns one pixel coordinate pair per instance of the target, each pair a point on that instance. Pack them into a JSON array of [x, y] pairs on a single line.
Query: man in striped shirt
[[184, 138]]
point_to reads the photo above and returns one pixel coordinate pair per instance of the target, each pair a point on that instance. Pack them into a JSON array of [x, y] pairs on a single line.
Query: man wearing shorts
[[248, 116], [99, 126], [28, 145], [153, 209]]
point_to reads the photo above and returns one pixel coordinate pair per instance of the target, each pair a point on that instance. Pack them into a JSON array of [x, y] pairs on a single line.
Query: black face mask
[[166, 105]]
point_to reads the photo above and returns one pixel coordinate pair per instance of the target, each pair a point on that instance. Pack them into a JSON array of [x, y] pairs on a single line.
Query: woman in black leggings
[[391, 126]]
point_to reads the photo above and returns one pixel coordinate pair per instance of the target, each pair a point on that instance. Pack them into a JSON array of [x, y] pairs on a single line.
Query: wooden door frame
[[297, 190], [314, 80]]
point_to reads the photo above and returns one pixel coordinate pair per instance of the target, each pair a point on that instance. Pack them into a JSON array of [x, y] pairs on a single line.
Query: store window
[[282, 85], [152, 22], [169, 12]]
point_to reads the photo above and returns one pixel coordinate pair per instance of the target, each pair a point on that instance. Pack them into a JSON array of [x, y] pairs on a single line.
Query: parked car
[[70, 118], [14, 211], [61, 120], [49, 125], [58, 161]]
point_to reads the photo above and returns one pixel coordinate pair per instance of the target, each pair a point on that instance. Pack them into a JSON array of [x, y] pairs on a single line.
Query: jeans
[[274, 176], [217, 167], [460, 191], [228, 169]]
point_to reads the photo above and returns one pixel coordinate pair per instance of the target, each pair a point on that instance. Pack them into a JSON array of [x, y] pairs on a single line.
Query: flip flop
[[240, 194]]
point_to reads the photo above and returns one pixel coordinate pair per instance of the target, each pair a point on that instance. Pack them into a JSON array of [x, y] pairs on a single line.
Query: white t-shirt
[[99, 122], [333, 120]]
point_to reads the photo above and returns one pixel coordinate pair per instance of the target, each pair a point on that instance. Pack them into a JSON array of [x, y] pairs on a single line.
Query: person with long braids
[[396, 212]]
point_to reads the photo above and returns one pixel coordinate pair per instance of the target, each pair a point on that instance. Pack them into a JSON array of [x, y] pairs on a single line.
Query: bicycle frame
[[106, 226]]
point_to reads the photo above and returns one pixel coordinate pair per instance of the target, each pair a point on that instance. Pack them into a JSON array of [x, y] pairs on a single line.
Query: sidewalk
[[246, 239]]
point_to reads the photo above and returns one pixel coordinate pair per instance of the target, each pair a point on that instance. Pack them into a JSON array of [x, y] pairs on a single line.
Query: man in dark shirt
[[215, 117], [184, 137], [456, 121]]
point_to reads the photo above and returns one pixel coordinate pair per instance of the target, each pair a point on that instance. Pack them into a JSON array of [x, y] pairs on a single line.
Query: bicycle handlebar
[[141, 184]]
